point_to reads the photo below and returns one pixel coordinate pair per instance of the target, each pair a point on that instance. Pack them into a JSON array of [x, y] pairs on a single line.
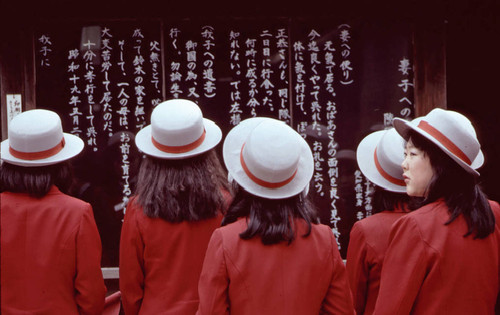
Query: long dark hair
[[271, 219], [182, 190], [461, 192], [35, 181], [384, 200]]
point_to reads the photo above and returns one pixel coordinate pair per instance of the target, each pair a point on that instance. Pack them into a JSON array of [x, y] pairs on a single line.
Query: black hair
[[35, 181], [182, 190], [459, 188], [271, 219], [384, 200]]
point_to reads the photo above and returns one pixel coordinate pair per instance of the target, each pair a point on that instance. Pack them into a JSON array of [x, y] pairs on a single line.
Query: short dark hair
[[459, 188], [182, 190], [35, 181], [271, 219], [384, 200]]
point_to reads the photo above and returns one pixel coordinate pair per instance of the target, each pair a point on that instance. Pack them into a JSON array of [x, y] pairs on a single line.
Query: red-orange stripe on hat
[[447, 143], [30, 156], [182, 148], [259, 181], [386, 175]]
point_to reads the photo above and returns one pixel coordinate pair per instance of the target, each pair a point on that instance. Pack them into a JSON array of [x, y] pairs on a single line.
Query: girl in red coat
[[50, 245], [271, 256], [444, 257], [181, 191], [379, 157]]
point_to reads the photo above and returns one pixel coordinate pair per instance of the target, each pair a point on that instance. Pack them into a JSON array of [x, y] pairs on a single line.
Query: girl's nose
[[404, 164]]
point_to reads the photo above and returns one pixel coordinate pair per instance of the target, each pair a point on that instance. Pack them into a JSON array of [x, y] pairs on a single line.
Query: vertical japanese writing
[[235, 67], [331, 124], [175, 65], [154, 60], [266, 71], [358, 190], [191, 76], [139, 74], [89, 55], [125, 151], [123, 86], [405, 85], [368, 193], [74, 92], [14, 106], [107, 112], [299, 71], [315, 110], [45, 50], [208, 61], [345, 64], [283, 95], [364, 190], [111, 78], [251, 75]]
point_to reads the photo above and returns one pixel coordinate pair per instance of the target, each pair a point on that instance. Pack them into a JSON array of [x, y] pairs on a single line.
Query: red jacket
[[430, 268], [368, 243], [50, 256], [246, 277], [160, 262]]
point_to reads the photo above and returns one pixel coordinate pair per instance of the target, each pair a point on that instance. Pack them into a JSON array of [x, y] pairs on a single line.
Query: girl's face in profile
[[417, 171]]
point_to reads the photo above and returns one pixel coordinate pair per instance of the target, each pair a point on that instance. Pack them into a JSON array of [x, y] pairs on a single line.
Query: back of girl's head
[[273, 165], [35, 181], [384, 200], [270, 219], [182, 190], [457, 187]]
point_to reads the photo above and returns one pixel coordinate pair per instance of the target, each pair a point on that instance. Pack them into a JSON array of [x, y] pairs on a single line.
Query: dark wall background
[[472, 78], [472, 39]]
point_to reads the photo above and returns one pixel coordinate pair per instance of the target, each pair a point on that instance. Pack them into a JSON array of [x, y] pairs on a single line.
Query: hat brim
[[231, 153], [72, 147], [403, 127], [364, 155], [212, 138]]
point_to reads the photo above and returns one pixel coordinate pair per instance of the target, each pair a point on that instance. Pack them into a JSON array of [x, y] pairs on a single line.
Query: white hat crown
[[268, 158], [271, 152], [35, 131], [36, 138], [178, 130], [177, 123]]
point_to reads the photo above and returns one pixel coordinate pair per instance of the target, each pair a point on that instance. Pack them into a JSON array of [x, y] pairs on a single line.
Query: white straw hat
[[452, 132], [380, 155], [268, 158], [36, 138], [177, 131]]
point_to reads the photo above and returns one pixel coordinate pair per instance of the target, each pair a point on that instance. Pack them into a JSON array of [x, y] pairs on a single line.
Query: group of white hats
[[264, 155]]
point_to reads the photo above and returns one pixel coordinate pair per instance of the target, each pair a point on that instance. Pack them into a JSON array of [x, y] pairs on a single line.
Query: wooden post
[[430, 66], [16, 71]]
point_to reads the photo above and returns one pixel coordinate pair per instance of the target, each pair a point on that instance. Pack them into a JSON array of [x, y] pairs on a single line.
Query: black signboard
[[332, 81]]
